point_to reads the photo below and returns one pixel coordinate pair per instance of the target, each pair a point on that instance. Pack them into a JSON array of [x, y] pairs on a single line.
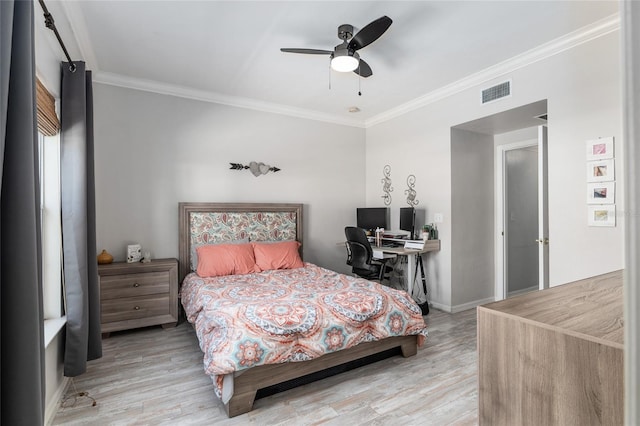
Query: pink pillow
[[225, 259], [280, 255]]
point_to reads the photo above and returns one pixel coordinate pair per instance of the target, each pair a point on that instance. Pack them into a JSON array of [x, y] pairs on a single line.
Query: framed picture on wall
[[601, 193], [600, 149], [602, 215], [601, 171]]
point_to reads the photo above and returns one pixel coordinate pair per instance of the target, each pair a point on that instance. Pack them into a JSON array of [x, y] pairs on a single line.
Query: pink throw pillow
[[280, 255], [225, 259]]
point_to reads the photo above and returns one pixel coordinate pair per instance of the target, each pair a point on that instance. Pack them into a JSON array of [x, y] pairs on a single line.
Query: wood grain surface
[[553, 357]]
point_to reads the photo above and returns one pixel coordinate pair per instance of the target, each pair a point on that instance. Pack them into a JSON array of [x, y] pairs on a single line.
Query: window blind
[[48, 123]]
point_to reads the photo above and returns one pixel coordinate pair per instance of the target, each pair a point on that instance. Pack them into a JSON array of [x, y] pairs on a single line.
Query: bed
[[263, 316]]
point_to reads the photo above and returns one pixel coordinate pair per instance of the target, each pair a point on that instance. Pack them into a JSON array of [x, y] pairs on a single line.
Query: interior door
[[522, 245], [521, 219], [543, 210]]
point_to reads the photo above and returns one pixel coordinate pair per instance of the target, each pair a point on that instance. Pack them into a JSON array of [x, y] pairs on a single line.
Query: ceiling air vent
[[496, 92]]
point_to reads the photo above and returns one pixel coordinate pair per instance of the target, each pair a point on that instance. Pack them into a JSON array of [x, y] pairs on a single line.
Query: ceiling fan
[[344, 57]]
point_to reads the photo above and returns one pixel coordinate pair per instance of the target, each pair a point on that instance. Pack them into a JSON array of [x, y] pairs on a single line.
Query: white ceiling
[[228, 51]]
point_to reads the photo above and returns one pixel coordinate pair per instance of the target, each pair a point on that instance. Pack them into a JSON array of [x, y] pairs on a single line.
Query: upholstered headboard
[[211, 223]]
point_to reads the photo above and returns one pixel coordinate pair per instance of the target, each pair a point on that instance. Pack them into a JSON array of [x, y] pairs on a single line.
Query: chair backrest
[[359, 248]]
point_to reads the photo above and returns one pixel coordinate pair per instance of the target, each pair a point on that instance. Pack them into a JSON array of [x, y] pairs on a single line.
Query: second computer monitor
[[408, 220]]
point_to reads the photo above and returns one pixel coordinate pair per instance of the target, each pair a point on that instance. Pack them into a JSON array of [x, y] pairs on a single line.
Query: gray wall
[[153, 151], [472, 213]]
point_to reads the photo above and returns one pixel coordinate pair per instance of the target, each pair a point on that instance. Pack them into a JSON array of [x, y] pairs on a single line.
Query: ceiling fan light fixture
[[342, 61]]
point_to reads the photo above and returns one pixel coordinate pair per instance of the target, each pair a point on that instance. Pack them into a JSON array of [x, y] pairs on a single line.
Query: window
[[50, 219], [50, 212]]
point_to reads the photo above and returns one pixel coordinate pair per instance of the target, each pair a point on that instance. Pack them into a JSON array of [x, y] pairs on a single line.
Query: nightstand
[[137, 294]]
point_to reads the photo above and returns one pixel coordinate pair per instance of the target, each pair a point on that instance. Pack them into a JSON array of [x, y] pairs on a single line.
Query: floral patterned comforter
[[291, 315]]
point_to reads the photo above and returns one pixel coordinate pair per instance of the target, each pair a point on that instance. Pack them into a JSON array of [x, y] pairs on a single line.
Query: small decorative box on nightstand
[[136, 295]]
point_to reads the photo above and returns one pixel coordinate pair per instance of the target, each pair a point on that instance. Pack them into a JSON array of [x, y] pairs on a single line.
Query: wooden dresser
[[553, 357], [138, 294]]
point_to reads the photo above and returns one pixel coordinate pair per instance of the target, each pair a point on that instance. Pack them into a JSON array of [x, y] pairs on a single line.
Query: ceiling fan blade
[[307, 51], [363, 70], [370, 33]]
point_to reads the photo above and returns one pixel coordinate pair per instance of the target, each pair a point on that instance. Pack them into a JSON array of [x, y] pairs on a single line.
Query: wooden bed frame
[[250, 381]]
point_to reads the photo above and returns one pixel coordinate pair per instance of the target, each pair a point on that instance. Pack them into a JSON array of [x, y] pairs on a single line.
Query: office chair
[[360, 255]]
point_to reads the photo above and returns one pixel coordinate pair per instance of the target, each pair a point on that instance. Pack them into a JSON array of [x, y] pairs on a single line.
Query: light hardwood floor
[[155, 376]]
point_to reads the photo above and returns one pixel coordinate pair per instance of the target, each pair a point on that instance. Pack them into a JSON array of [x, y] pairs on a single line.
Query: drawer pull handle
[[137, 308], [136, 285]]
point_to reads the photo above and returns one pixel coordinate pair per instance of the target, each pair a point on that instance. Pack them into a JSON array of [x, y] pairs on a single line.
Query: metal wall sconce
[[386, 185], [411, 192]]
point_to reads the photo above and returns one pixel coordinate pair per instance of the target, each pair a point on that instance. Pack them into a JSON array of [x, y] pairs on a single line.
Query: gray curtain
[[83, 340], [21, 326]]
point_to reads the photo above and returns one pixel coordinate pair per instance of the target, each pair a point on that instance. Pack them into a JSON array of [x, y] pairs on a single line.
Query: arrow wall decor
[[256, 168]]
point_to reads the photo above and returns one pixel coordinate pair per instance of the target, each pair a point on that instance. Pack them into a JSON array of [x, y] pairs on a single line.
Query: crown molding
[[76, 20], [205, 96], [583, 35]]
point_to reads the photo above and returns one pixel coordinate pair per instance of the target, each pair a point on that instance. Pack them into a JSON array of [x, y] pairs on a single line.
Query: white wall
[[153, 151], [54, 376], [590, 107], [582, 86]]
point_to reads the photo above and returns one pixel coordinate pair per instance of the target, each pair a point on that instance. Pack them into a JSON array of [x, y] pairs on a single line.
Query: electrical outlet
[[437, 218]]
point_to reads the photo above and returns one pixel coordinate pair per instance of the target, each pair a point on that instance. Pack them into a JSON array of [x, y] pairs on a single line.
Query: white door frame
[[543, 209], [501, 254]]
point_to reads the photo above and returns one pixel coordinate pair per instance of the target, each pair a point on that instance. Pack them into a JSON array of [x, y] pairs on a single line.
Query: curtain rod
[[50, 23]]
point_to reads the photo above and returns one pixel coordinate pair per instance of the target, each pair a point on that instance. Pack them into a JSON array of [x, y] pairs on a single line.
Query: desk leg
[[411, 268], [413, 263], [424, 306]]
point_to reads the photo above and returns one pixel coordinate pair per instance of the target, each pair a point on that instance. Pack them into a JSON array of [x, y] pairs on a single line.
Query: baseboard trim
[[459, 308], [523, 291], [440, 307], [471, 305], [51, 409]]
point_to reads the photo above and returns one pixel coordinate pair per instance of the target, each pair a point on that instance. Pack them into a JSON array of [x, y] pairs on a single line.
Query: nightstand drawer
[[131, 308], [133, 285], [138, 295]]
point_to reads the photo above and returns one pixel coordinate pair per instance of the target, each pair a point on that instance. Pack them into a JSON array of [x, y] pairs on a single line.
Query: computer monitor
[[408, 220], [370, 218]]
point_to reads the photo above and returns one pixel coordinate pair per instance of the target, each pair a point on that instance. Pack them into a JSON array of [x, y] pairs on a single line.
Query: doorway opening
[[519, 246]]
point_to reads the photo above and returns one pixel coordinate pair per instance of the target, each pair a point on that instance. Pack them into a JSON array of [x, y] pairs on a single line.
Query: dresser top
[[591, 308], [134, 267]]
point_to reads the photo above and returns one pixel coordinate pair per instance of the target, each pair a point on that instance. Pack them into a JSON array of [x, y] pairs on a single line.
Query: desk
[[387, 252]]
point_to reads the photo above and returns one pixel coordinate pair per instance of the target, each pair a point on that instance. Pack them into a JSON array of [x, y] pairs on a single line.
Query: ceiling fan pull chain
[[329, 75], [359, 81]]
